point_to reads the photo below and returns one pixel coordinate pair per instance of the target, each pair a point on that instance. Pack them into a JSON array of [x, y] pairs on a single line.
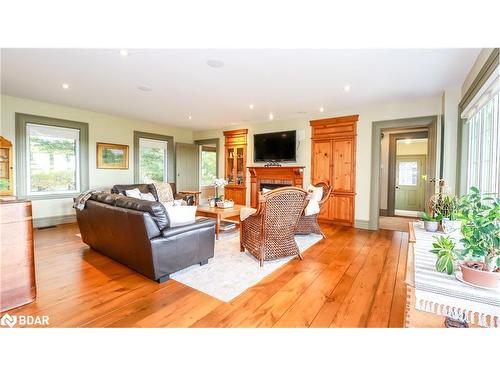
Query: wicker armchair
[[269, 233], [309, 224]]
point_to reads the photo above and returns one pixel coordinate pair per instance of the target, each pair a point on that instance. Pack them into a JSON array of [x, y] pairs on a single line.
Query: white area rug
[[230, 272]]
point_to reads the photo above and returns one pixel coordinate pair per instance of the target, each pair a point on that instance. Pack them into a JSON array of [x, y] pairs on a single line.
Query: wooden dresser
[[17, 263], [333, 160]]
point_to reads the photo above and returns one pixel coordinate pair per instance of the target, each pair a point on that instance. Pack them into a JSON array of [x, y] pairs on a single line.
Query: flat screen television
[[279, 146]]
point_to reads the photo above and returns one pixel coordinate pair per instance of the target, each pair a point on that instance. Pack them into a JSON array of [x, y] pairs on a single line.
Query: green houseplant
[[480, 215], [431, 221]]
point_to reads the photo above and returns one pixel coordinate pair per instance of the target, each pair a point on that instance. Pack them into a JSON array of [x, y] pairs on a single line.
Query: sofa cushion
[[143, 188], [155, 209], [105, 198], [199, 223]]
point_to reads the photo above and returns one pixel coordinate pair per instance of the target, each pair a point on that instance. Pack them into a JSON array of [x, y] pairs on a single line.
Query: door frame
[[377, 127], [391, 186], [211, 141]]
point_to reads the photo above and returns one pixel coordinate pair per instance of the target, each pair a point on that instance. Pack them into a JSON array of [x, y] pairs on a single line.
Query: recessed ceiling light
[[123, 52], [144, 88], [215, 63], [65, 86], [250, 106], [321, 109], [189, 117], [347, 88], [271, 116]]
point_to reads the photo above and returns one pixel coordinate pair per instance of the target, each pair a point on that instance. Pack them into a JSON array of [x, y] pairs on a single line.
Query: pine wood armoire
[[235, 165], [333, 160]]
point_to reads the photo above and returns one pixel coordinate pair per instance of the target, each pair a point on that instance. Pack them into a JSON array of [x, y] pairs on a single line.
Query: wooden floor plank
[[344, 280]]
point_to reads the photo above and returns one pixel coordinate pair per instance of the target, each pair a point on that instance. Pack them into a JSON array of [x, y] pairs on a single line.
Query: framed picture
[[112, 156]]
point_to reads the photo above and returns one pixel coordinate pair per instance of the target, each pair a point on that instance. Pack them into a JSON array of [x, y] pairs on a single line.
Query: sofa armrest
[[190, 199], [199, 223]]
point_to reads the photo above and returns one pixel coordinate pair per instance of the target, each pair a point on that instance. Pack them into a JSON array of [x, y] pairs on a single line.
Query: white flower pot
[[451, 226], [431, 226]]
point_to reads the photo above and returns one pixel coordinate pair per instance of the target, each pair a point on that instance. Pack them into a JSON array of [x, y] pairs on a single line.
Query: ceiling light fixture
[[65, 86], [321, 109], [189, 117], [271, 116], [124, 52], [145, 88], [215, 63], [347, 88], [250, 106]]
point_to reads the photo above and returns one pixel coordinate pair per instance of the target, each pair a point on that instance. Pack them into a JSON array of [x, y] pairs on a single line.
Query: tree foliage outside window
[[52, 164], [208, 167], [152, 164]]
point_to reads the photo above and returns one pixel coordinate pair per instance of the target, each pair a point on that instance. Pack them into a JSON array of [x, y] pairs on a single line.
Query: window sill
[[51, 196]]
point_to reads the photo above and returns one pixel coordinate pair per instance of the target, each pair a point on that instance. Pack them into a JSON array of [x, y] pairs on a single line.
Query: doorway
[[407, 174], [209, 168]]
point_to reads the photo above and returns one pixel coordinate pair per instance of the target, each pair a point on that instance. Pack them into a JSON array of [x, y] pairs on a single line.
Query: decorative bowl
[[225, 204]]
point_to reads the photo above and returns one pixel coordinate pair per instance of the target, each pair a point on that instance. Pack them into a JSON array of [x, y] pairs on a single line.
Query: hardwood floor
[[354, 278]]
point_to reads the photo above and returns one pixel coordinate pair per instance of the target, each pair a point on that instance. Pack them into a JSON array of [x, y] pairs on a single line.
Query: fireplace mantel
[[283, 176]]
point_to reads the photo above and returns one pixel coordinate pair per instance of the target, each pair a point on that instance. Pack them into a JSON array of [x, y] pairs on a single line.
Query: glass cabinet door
[[240, 166], [5, 172], [230, 165]]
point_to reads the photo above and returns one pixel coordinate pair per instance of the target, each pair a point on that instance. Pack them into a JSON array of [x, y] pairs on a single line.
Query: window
[[483, 144], [407, 174], [51, 157], [208, 165], [153, 158]]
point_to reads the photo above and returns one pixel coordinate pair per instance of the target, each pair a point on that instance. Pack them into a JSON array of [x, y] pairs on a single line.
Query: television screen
[[278, 146]]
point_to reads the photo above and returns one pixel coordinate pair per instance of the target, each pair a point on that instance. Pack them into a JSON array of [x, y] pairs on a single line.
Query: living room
[[157, 186]]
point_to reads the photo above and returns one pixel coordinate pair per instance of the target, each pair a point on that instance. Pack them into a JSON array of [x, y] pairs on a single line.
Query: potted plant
[[447, 206], [218, 183], [431, 222], [479, 260]]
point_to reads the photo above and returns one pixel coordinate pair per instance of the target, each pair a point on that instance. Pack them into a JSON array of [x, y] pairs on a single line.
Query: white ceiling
[[284, 82]]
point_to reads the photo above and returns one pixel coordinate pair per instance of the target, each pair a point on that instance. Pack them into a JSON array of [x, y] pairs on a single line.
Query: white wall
[[367, 114], [102, 128]]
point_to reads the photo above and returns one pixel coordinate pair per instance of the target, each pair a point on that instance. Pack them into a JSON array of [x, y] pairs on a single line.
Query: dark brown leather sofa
[[136, 233], [150, 188]]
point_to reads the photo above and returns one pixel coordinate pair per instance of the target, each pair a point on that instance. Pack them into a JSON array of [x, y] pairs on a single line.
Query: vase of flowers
[[219, 183]]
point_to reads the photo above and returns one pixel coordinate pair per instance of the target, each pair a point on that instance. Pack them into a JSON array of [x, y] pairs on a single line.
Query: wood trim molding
[[393, 138], [170, 153], [335, 120], [21, 143], [484, 74], [42, 222]]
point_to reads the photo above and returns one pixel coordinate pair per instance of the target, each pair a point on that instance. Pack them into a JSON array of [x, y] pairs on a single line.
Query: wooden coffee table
[[220, 214]]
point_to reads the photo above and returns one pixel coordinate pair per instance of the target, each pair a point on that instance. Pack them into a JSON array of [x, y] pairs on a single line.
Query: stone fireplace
[[272, 178]]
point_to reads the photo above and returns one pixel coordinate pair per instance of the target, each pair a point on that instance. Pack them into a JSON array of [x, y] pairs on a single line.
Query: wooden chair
[[309, 224], [269, 233]]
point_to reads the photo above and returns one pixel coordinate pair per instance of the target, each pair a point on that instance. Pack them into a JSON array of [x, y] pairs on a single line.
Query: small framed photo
[[112, 156]]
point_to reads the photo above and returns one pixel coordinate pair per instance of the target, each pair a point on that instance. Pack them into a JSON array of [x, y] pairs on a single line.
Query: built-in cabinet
[[6, 170], [333, 160], [235, 156]]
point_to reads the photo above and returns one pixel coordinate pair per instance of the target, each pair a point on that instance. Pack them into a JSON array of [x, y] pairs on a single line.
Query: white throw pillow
[[316, 192], [180, 215], [266, 190], [134, 193], [148, 197], [312, 208]]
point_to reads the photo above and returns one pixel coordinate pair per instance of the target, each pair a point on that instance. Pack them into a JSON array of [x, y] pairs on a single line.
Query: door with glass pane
[[153, 160], [410, 188]]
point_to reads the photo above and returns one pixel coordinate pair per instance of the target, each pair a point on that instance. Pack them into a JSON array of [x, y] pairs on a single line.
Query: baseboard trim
[[383, 212], [362, 224], [53, 220]]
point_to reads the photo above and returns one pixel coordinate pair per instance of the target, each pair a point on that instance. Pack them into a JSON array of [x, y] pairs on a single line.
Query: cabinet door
[[342, 208], [321, 155], [343, 168]]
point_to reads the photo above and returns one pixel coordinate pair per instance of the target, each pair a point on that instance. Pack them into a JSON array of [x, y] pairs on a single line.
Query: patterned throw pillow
[[164, 191]]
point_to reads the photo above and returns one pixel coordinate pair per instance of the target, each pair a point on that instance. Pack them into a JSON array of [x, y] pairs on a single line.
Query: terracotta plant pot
[[479, 277], [431, 226]]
